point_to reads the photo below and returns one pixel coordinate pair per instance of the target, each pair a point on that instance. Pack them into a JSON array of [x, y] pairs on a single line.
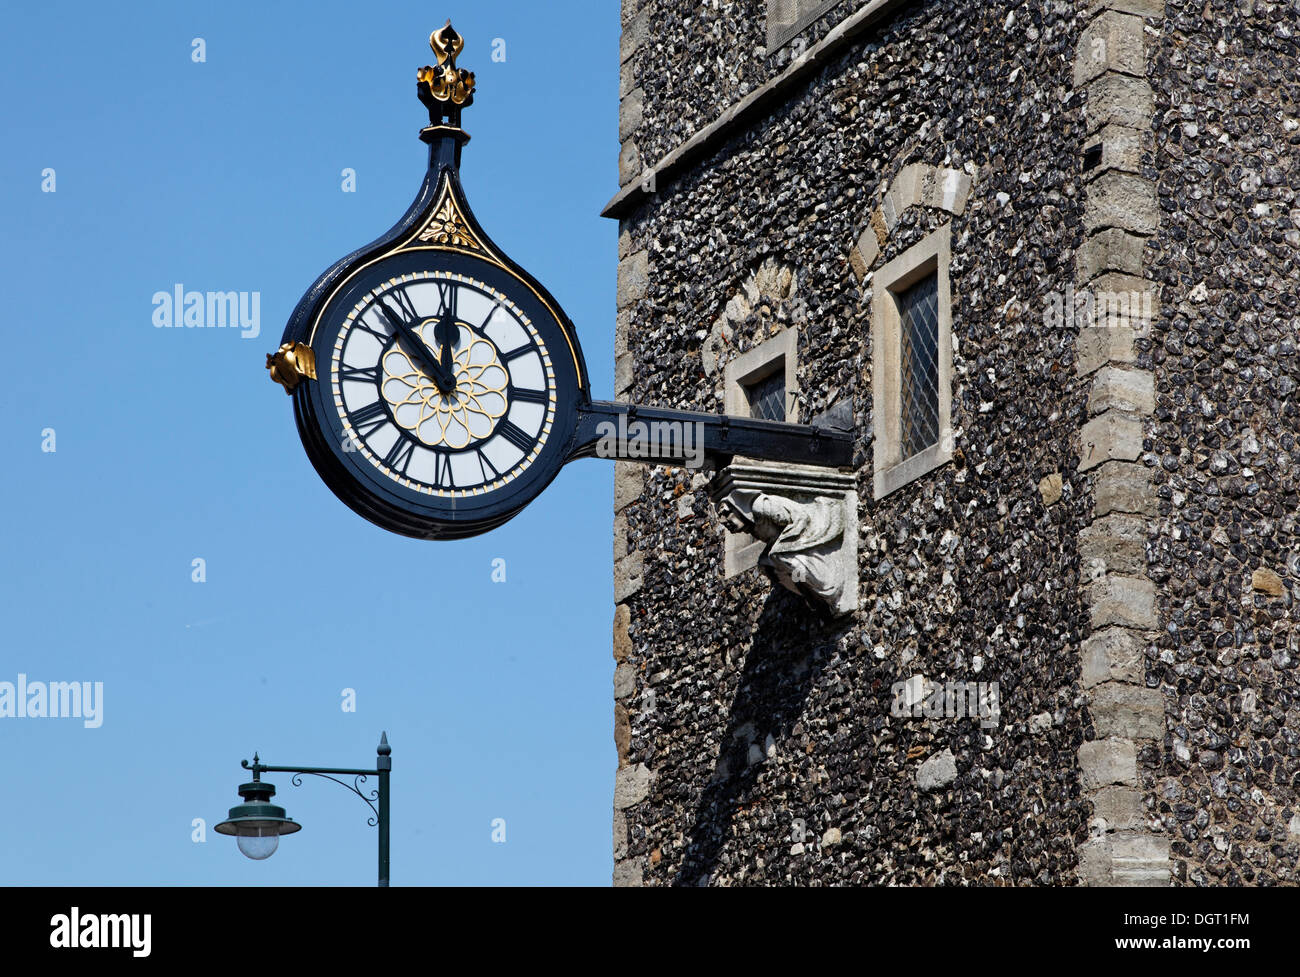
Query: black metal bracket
[[358, 778], [663, 435]]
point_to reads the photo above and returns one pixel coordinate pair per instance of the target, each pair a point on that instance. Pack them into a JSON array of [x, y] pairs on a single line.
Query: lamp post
[[257, 824]]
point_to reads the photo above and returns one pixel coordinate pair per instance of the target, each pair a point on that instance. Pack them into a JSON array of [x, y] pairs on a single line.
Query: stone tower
[[1043, 254]]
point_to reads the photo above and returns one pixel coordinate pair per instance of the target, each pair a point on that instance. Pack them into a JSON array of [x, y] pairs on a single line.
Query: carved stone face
[[731, 517]]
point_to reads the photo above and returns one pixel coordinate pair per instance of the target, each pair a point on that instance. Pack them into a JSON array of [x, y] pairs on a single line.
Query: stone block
[[623, 374], [1127, 711], [633, 278], [1121, 301], [629, 873], [1110, 436], [626, 79], [622, 732], [628, 576], [1116, 543], [1139, 858], [889, 211], [629, 163], [620, 836], [1113, 655], [1112, 249], [631, 112], [878, 225], [622, 326], [629, 480], [1123, 389], [908, 188], [624, 680], [1095, 862], [631, 786], [1097, 346], [620, 536], [948, 190], [1121, 486], [1120, 808], [1121, 150], [1115, 99], [634, 34], [1122, 200], [1108, 761], [863, 255], [1128, 602], [622, 640], [1112, 41]]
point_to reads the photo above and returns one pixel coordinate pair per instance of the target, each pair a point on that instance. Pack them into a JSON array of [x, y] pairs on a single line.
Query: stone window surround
[[778, 353], [741, 551], [933, 254]]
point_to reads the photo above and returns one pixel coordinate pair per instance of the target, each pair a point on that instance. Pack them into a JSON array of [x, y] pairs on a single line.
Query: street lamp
[[257, 824]]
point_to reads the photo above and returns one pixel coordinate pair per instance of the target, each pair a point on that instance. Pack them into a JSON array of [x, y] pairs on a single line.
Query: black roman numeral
[[527, 396], [516, 436], [368, 373], [369, 418], [516, 353], [396, 300], [365, 326], [399, 455], [442, 476], [447, 292], [490, 474]]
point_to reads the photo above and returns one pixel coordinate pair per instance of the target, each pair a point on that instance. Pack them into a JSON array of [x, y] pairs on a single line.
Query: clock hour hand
[[445, 333], [417, 350]]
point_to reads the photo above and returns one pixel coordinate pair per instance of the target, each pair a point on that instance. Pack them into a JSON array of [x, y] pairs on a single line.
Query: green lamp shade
[[257, 823]]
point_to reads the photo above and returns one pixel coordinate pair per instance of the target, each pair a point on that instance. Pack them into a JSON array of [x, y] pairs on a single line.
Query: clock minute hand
[[417, 348]]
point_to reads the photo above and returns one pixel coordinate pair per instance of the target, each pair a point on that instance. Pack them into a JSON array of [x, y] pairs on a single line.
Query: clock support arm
[[662, 435]]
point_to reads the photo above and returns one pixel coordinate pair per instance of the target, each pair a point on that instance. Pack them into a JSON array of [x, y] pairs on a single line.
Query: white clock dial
[[448, 422]]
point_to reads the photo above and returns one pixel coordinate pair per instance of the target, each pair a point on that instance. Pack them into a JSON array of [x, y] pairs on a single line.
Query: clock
[[438, 388], [436, 385]]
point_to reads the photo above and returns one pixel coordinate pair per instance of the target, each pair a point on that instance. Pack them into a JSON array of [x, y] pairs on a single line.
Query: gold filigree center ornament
[[448, 420]]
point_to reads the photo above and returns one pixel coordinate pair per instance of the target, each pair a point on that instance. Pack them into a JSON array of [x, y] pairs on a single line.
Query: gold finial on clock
[[445, 88], [446, 43]]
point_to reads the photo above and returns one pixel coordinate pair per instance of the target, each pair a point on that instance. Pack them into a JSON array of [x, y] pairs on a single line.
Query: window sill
[[891, 479]]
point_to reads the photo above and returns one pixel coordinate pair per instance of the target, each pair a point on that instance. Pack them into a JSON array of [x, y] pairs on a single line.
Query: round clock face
[[445, 392], [468, 436]]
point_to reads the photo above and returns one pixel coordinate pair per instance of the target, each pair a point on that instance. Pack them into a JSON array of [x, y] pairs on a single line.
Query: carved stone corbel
[[806, 520]]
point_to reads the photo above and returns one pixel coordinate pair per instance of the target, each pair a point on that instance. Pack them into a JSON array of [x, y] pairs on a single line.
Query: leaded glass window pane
[[767, 398], [919, 312]]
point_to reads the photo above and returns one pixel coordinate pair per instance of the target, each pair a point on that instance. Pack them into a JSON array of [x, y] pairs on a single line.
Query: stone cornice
[[752, 106]]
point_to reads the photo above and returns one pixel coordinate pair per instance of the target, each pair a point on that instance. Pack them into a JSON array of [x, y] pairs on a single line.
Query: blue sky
[[172, 445]]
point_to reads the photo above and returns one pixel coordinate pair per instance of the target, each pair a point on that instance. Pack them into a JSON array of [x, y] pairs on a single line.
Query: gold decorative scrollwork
[[290, 363], [447, 227]]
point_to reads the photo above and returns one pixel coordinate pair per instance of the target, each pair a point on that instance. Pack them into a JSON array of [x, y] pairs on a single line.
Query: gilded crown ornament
[[445, 86]]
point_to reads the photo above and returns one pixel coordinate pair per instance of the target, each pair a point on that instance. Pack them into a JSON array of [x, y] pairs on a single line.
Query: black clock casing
[[438, 235]]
